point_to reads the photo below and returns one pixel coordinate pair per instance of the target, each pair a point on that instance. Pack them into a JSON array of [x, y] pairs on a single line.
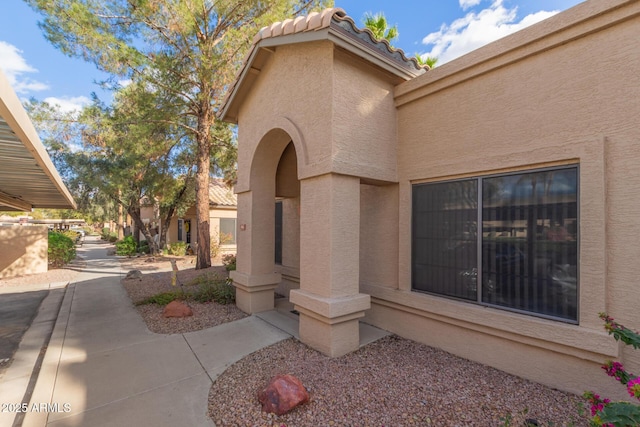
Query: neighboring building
[[28, 180], [222, 219], [487, 207]]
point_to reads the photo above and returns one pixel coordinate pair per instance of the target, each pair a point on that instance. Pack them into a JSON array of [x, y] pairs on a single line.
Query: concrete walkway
[[103, 367]]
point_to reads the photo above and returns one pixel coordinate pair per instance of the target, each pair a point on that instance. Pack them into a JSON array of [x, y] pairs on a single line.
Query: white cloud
[[466, 4], [69, 104], [14, 66], [476, 29]]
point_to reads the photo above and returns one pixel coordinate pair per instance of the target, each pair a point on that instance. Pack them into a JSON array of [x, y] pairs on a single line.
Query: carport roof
[[28, 178]]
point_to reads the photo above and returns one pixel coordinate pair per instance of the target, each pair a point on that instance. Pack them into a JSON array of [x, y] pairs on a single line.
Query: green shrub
[[144, 247], [73, 235], [177, 248], [203, 279], [113, 237], [211, 287], [204, 288], [229, 261], [164, 298], [220, 292], [126, 246], [62, 249], [104, 235]]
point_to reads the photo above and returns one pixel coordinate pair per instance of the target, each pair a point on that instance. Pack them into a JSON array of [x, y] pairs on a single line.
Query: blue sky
[[442, 28]]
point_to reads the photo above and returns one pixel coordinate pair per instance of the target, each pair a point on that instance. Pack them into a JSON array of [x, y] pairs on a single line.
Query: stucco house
[[28, 180], [488, 207], [222, 219]]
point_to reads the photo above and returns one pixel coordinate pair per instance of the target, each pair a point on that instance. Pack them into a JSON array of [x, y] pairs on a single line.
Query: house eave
[[351, 42]]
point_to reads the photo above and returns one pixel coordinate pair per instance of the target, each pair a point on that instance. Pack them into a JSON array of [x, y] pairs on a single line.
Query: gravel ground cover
[[391, 382], [156, 278]]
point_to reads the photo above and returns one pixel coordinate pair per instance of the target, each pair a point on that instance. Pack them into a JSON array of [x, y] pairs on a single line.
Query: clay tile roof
[[336, 21], [220, 194], [321, 20]]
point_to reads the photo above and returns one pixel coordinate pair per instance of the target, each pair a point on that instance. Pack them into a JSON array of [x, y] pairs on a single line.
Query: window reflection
[[527, 254], [445, 236], [529, 242]]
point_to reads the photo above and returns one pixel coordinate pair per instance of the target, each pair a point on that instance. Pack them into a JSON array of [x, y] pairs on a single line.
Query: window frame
[[479, 178]]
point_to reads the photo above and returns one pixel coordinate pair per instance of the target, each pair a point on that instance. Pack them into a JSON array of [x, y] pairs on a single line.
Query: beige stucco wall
[[214, 227], [528, 101], [379, 212], [329, 134], [278, 99], [24, 250], [564, 91]]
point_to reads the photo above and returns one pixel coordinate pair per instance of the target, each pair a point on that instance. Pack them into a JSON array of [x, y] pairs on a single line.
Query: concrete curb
[[43, 392], [20, 377]]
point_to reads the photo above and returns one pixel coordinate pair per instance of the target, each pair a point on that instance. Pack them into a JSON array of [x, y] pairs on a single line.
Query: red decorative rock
[[283, 393], [177, 309]]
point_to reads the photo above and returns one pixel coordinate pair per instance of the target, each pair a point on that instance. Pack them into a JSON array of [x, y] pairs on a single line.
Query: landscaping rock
[[282, 394], [177, 309], [134, 274]]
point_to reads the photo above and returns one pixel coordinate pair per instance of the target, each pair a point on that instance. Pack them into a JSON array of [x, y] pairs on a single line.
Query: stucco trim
[[330, 308], [584, 343], [577, 22], [291, 129]]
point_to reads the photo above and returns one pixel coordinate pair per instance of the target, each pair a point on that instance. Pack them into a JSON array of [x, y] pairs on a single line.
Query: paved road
[[17, 312]]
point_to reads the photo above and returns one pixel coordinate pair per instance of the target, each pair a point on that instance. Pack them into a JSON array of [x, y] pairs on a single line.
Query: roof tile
[[220, 194]]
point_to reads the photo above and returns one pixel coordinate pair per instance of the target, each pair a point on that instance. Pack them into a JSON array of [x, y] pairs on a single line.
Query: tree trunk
[[164, 228], [120, 222], [203, 252], [140, 227]]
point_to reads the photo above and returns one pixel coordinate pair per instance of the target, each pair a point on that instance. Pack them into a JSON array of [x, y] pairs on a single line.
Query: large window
[[227, 231], [506, 240]]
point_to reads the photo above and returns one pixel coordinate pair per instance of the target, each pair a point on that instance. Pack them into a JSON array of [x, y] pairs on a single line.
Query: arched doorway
[[287, 222], [273, 176], [321, 235]]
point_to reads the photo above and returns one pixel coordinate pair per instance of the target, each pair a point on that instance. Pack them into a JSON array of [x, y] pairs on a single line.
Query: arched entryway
[[320, 244], [287, 222], [273, 174]]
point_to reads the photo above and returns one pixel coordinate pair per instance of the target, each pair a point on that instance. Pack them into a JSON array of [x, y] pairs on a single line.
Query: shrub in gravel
[[212, 288], [220, 292], [62, 249], [163, 298]]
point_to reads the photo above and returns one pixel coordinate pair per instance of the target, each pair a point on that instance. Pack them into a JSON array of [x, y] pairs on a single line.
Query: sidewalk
[[103, 367]]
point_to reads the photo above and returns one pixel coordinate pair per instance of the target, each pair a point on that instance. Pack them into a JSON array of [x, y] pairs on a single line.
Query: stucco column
[[328, 300], [255, 278]]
